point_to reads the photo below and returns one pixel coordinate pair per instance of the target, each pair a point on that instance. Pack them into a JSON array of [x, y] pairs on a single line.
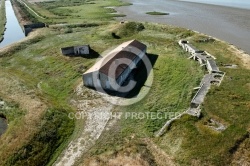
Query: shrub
[[129, 29]]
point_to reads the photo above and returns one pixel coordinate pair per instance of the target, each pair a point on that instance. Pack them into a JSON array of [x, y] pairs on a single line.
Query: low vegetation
[[190, 141], [25, 13], [36, 71], [76, 11], [157, 13]]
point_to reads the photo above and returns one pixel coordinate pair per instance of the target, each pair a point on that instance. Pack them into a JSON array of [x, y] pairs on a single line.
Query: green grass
[[2, 19], [157, 13], [27, 14], [189, 141], [228, 104], [63, 11], [39, 64], [56, 75]]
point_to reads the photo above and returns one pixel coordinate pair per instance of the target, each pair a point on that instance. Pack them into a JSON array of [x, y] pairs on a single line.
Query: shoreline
[[12, 24], [217, 21], [238, 6]]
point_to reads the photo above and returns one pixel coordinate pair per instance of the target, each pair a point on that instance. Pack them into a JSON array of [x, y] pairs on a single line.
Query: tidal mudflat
[[227, 23]]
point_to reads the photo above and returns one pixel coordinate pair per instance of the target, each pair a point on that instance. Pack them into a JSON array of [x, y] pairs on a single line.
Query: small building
[[29, 27], [212, 67], [75, 50], [112, 70]]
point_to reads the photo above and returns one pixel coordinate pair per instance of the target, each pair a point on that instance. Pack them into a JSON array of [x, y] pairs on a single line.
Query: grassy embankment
[[39, 91], [42, 138], [56, 75], [189, 141], [73, 11], [40, 67], [2, 19]]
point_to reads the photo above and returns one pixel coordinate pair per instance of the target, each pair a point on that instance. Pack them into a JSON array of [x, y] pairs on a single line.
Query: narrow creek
[[3, 120], [14, 32], [3, 125]]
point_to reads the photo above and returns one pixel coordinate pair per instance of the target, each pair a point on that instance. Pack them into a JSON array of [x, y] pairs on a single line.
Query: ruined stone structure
[[214, 76], [75, 50], [29, 27]]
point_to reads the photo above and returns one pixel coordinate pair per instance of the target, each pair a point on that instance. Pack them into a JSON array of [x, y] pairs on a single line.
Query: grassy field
[[2, 19], [75, 11], [189, 141], [38, 83]]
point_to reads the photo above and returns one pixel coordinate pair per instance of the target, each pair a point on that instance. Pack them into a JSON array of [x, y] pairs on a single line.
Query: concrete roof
[[118, 64], [127, 51]]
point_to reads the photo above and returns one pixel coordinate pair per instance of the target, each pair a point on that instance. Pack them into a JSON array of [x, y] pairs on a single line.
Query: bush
[[68, 30], [129, 29]]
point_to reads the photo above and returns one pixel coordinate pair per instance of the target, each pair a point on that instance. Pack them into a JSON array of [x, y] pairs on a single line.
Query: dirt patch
[[161, 158], [133, 152], [243, 56], [241, 152], [120, 160]]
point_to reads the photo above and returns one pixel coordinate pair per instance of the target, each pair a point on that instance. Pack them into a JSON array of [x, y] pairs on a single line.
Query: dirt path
[[96, 114], [242, 55], [30, 9]]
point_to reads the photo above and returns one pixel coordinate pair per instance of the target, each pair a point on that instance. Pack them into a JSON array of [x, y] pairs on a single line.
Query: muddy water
[[227, 23], [3, 125], [13, 31]]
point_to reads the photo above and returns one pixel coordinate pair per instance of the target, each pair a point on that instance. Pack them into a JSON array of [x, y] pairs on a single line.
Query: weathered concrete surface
[[201, 93]]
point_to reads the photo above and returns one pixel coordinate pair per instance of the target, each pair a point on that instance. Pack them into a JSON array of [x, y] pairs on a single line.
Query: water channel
[[3, 125], [14, 32]]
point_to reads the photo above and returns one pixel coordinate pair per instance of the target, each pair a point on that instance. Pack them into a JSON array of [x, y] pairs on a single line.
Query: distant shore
[[226, 23], [243, 4]]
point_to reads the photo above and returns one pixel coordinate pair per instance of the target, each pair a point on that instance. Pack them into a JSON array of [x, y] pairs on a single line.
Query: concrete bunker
[[110, 72], [76, 50], [29, 27]]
